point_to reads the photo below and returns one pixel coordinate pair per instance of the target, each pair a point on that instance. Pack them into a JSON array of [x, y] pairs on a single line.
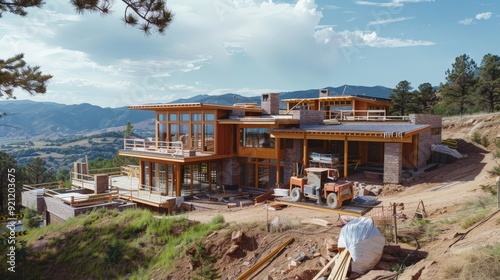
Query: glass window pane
[[172, 117], [196, 117], [209, 138], [162, 132], [174, 132], [162, 117], [209, 117], [184, 117]]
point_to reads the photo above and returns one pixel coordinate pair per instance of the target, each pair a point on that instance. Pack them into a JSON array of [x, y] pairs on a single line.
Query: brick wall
[[393, 163], [426, 139], [58, 208], [230, 172], [308, 117], [101, 183], [292, 155]]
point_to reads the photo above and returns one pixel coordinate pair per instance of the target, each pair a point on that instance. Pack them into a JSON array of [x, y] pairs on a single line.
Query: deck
[[128, 189]]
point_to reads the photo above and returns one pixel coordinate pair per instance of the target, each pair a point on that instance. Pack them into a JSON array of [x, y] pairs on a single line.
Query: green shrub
[[114, 251], [218, 219], [484, 141], [476, 138]]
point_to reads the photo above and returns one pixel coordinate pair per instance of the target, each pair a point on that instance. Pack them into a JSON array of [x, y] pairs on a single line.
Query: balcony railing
[[174, 149], [369, 115]]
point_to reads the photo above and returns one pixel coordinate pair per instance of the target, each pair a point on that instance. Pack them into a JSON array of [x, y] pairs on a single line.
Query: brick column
[[230, 172], [101, 183], [393, 163]]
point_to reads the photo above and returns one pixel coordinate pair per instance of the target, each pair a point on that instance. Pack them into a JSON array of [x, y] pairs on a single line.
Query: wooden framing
[[228, 143]]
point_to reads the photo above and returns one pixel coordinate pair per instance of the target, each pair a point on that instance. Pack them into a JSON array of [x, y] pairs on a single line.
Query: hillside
[[458, 236], [28, 119]]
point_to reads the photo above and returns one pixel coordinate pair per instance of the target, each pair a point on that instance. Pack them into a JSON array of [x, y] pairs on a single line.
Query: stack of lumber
[[340, 268]]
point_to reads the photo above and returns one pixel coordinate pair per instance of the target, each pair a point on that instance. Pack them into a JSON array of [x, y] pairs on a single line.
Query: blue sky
[[248, 47]]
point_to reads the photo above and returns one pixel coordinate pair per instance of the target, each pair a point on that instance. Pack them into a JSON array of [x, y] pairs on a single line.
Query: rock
[[40, 237], [383, 265], [232, 249], [322, 261], [237, 236]]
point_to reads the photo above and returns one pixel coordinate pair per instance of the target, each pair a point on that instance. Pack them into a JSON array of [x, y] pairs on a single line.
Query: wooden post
[[346, 157], [72, 201], [394, 223], [498, 192]]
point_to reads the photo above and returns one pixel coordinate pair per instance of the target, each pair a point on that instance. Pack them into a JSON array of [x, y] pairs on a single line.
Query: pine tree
[[461, 80], [148, 15], [425, 98], [488, 88], [402, 99], [14, 73]]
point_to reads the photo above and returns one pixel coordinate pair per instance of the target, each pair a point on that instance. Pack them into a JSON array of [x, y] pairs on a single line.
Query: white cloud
[[387, 21], [484, 16], [364, 38], [467, 21], [392, 3]]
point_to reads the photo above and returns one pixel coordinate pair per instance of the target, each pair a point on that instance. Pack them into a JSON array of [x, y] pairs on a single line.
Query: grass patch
[[87, 246], [474, 218], [478, 264], [423, 230]]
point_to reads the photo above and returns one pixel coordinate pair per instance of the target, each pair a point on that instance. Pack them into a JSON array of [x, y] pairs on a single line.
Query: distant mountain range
[[28, 119]]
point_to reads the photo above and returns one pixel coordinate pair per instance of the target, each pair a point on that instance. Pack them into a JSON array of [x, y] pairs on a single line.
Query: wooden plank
[[228, 195], [319, 222], [347, 210], [254, 268], [264, 197], [326, 267], [339, 271]]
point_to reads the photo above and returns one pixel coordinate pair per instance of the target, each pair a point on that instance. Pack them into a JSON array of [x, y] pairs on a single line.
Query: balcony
[[173, 149]]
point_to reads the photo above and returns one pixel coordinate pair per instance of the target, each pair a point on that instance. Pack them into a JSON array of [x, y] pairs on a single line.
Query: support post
[[498, 192], [346, 157], [394, 223]]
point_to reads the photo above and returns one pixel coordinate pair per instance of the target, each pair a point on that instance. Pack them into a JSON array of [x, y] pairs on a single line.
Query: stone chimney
[[270, 103], [324, 92]]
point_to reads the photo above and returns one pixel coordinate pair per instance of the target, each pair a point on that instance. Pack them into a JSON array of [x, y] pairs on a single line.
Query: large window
[[256, 138], [195, 129], [209, 138]]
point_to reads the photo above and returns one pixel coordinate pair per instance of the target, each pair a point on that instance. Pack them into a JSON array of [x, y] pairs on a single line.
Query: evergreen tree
[[425, 98], [488, 88], [14, 73], [402, 99], [460, 82], [36, 172], [9, 175], [128, 130], [148, 15]]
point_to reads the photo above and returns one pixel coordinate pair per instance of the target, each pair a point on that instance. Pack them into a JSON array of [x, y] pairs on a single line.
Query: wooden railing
[[94, 200], [368, 115], [174, 148]]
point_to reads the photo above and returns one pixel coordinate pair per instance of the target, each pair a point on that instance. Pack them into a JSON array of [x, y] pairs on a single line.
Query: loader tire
[[296, 194], [332, 201]]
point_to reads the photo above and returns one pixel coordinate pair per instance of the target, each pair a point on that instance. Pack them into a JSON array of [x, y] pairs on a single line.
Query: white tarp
[[440, 148], [364, 242]]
